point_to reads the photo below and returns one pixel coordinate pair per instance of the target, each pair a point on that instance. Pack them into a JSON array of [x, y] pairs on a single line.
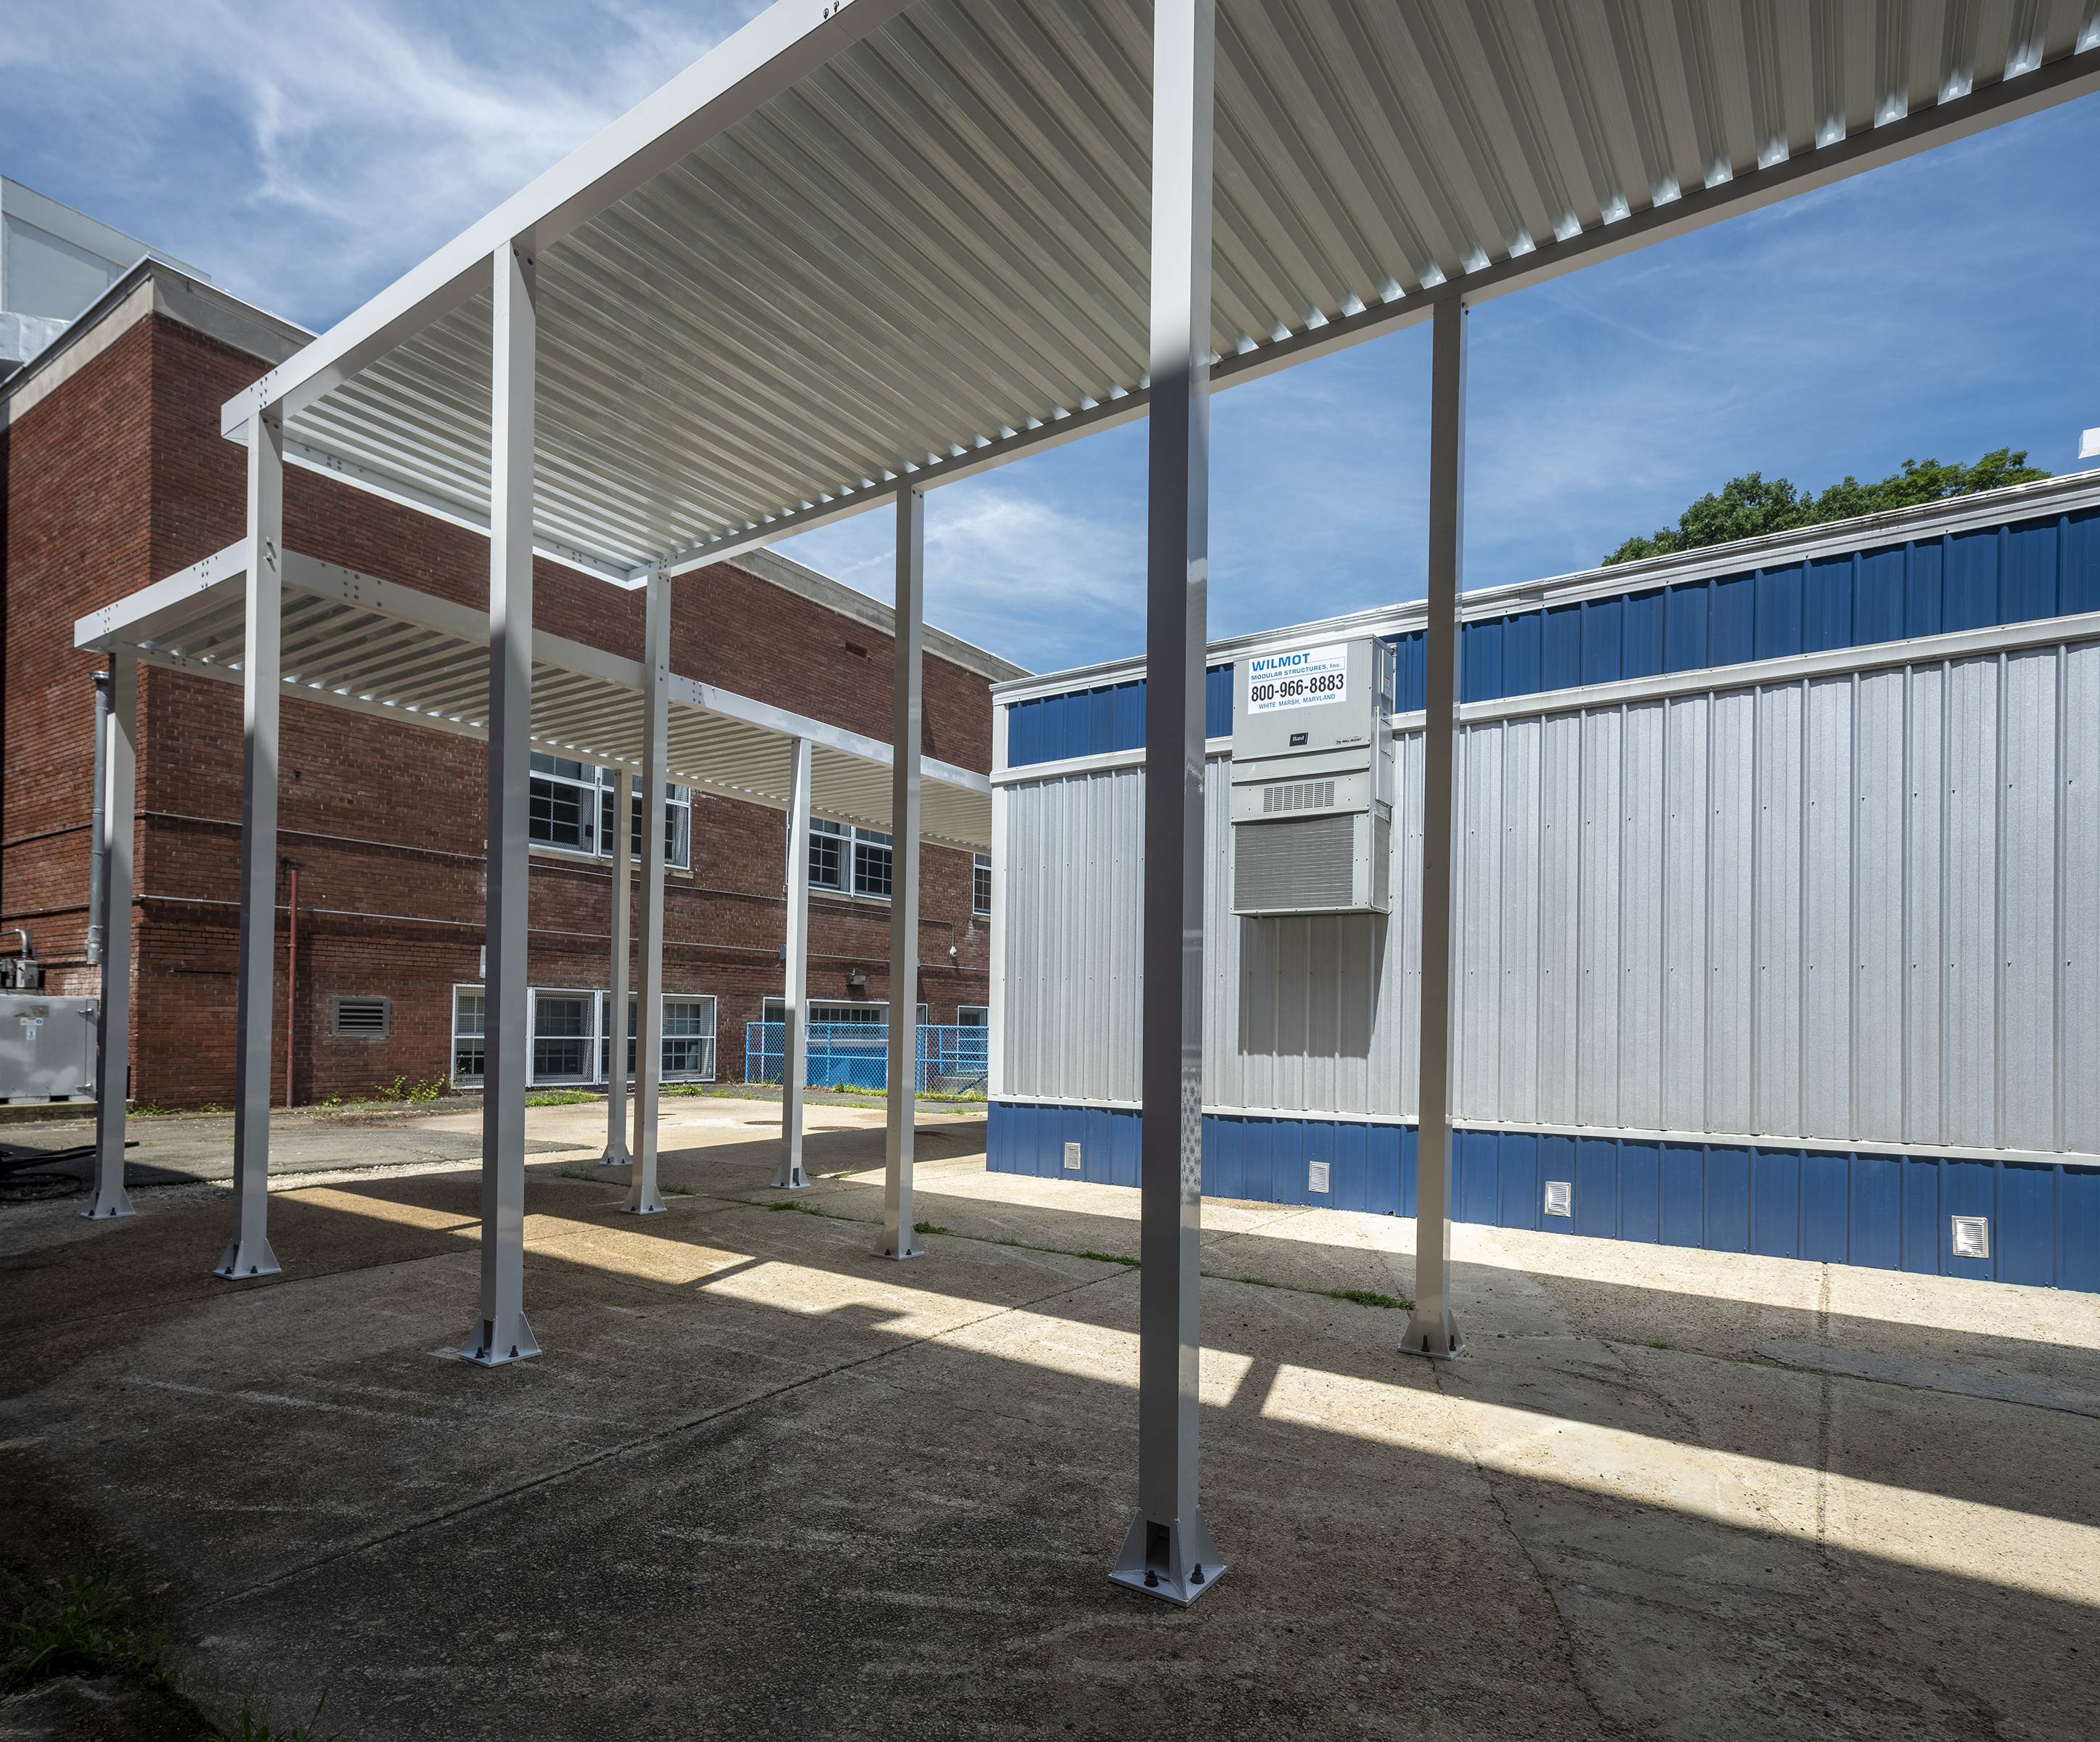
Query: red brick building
[[114, 474]]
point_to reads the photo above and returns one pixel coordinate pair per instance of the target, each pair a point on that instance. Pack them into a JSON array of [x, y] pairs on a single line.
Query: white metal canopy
[[865, 247], [863, 242], [373, 646]]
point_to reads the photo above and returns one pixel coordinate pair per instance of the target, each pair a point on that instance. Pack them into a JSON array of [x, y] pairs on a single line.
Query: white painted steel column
[[501, 1333], [641, 1194], [898, 1241], [113, 1023], [794, 1047], [247, 1253], [616, 1153], [1432, 1330], [1169, 1550]]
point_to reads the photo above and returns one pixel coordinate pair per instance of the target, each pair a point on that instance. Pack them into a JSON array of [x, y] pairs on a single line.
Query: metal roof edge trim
[[819, 588], [745, 70], [2071, 490], [91, 326]]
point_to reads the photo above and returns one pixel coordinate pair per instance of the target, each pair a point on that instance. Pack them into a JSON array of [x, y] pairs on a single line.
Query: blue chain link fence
[[953, 1060]]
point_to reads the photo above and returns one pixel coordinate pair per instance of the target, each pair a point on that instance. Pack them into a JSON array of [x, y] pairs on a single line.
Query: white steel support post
[[794, 955], [247, 1253], [616, 1153], [112, 1022], [1432, 1330], [1169, 1550], [641, 1194], [905, 740], [500, 1333]]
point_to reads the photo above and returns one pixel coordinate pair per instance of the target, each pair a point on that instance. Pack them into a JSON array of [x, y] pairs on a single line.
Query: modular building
[[1777, 922]]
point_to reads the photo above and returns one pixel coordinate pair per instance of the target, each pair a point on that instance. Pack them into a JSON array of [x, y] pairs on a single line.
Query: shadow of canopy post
[[862, 249]]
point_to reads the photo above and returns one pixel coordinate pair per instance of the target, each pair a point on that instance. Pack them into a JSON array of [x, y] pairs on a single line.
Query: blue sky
[[307, 155]]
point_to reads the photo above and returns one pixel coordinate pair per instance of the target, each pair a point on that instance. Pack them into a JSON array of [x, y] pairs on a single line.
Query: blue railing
[[952, 1059]]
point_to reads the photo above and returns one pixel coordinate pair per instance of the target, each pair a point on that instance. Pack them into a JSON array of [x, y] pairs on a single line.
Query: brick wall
[[120, 478]]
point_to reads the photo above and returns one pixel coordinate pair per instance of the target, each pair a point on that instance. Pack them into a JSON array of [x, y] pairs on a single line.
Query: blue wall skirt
[[1881, 1211]]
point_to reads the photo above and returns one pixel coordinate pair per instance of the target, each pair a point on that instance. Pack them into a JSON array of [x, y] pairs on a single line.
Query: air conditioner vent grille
[[1284, 867], [1303, 794]]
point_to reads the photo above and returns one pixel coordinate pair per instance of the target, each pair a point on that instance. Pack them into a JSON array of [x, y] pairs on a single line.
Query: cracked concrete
[[763, 1482]]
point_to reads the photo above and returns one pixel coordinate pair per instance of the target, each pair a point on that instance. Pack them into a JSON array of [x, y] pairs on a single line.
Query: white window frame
[[983, 1016], [596, 1043], [596, 789], [980, 881], [587, 1041], [851, 838], [478, 1033]]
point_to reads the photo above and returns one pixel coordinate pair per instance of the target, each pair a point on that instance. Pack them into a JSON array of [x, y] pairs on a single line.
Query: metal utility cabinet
[[1312, 780], [46, 1047]]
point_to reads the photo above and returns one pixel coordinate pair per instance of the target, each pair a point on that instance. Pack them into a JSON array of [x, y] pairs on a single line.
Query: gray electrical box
[[46, 1047], [1312, 780]]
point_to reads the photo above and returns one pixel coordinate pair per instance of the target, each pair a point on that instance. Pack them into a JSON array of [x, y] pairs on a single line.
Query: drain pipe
[[96, 846]]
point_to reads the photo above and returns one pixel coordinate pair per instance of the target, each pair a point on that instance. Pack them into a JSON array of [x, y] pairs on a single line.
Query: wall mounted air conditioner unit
[[1312, 780]]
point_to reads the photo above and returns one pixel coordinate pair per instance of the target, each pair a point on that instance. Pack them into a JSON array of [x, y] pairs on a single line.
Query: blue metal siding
[[2018, 573], [1880, 1212], [1093, 722]]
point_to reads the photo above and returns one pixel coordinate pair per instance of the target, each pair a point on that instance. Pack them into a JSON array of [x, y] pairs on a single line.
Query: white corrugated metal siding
[[1848, 909]]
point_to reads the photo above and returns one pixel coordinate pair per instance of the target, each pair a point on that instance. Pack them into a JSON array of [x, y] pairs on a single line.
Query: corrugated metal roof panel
[[935, 241]]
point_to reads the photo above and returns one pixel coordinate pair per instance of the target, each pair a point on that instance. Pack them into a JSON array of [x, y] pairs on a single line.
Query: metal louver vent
[[1286, 866], [370, 1017], [1303, 794]]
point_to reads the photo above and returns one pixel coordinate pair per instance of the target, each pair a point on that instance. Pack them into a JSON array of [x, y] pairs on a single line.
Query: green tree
[[1752, 506]]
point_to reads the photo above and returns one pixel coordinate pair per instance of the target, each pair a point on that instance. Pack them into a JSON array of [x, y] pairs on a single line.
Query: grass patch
[[253, 1723], [930, 1228], [577, 1173], [1108, 1258], [79, 1629], [697, 1088], [560, 1098], [676, 1190], [83, 1627], [789, 1203], [1256, 1281]]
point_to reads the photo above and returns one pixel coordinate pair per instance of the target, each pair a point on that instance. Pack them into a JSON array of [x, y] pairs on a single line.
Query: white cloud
[[307, 154]]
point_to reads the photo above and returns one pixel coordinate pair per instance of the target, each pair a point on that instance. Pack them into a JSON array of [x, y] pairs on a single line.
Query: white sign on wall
[[1303, 679]]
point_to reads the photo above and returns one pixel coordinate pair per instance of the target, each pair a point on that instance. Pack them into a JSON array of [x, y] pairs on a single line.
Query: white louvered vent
[[1303, 794]]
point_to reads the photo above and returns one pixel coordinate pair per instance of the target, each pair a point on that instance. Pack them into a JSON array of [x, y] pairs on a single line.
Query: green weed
[[930, 1228], [79, 1629], [789, 1203], [560, 1098], [253, 1723]]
